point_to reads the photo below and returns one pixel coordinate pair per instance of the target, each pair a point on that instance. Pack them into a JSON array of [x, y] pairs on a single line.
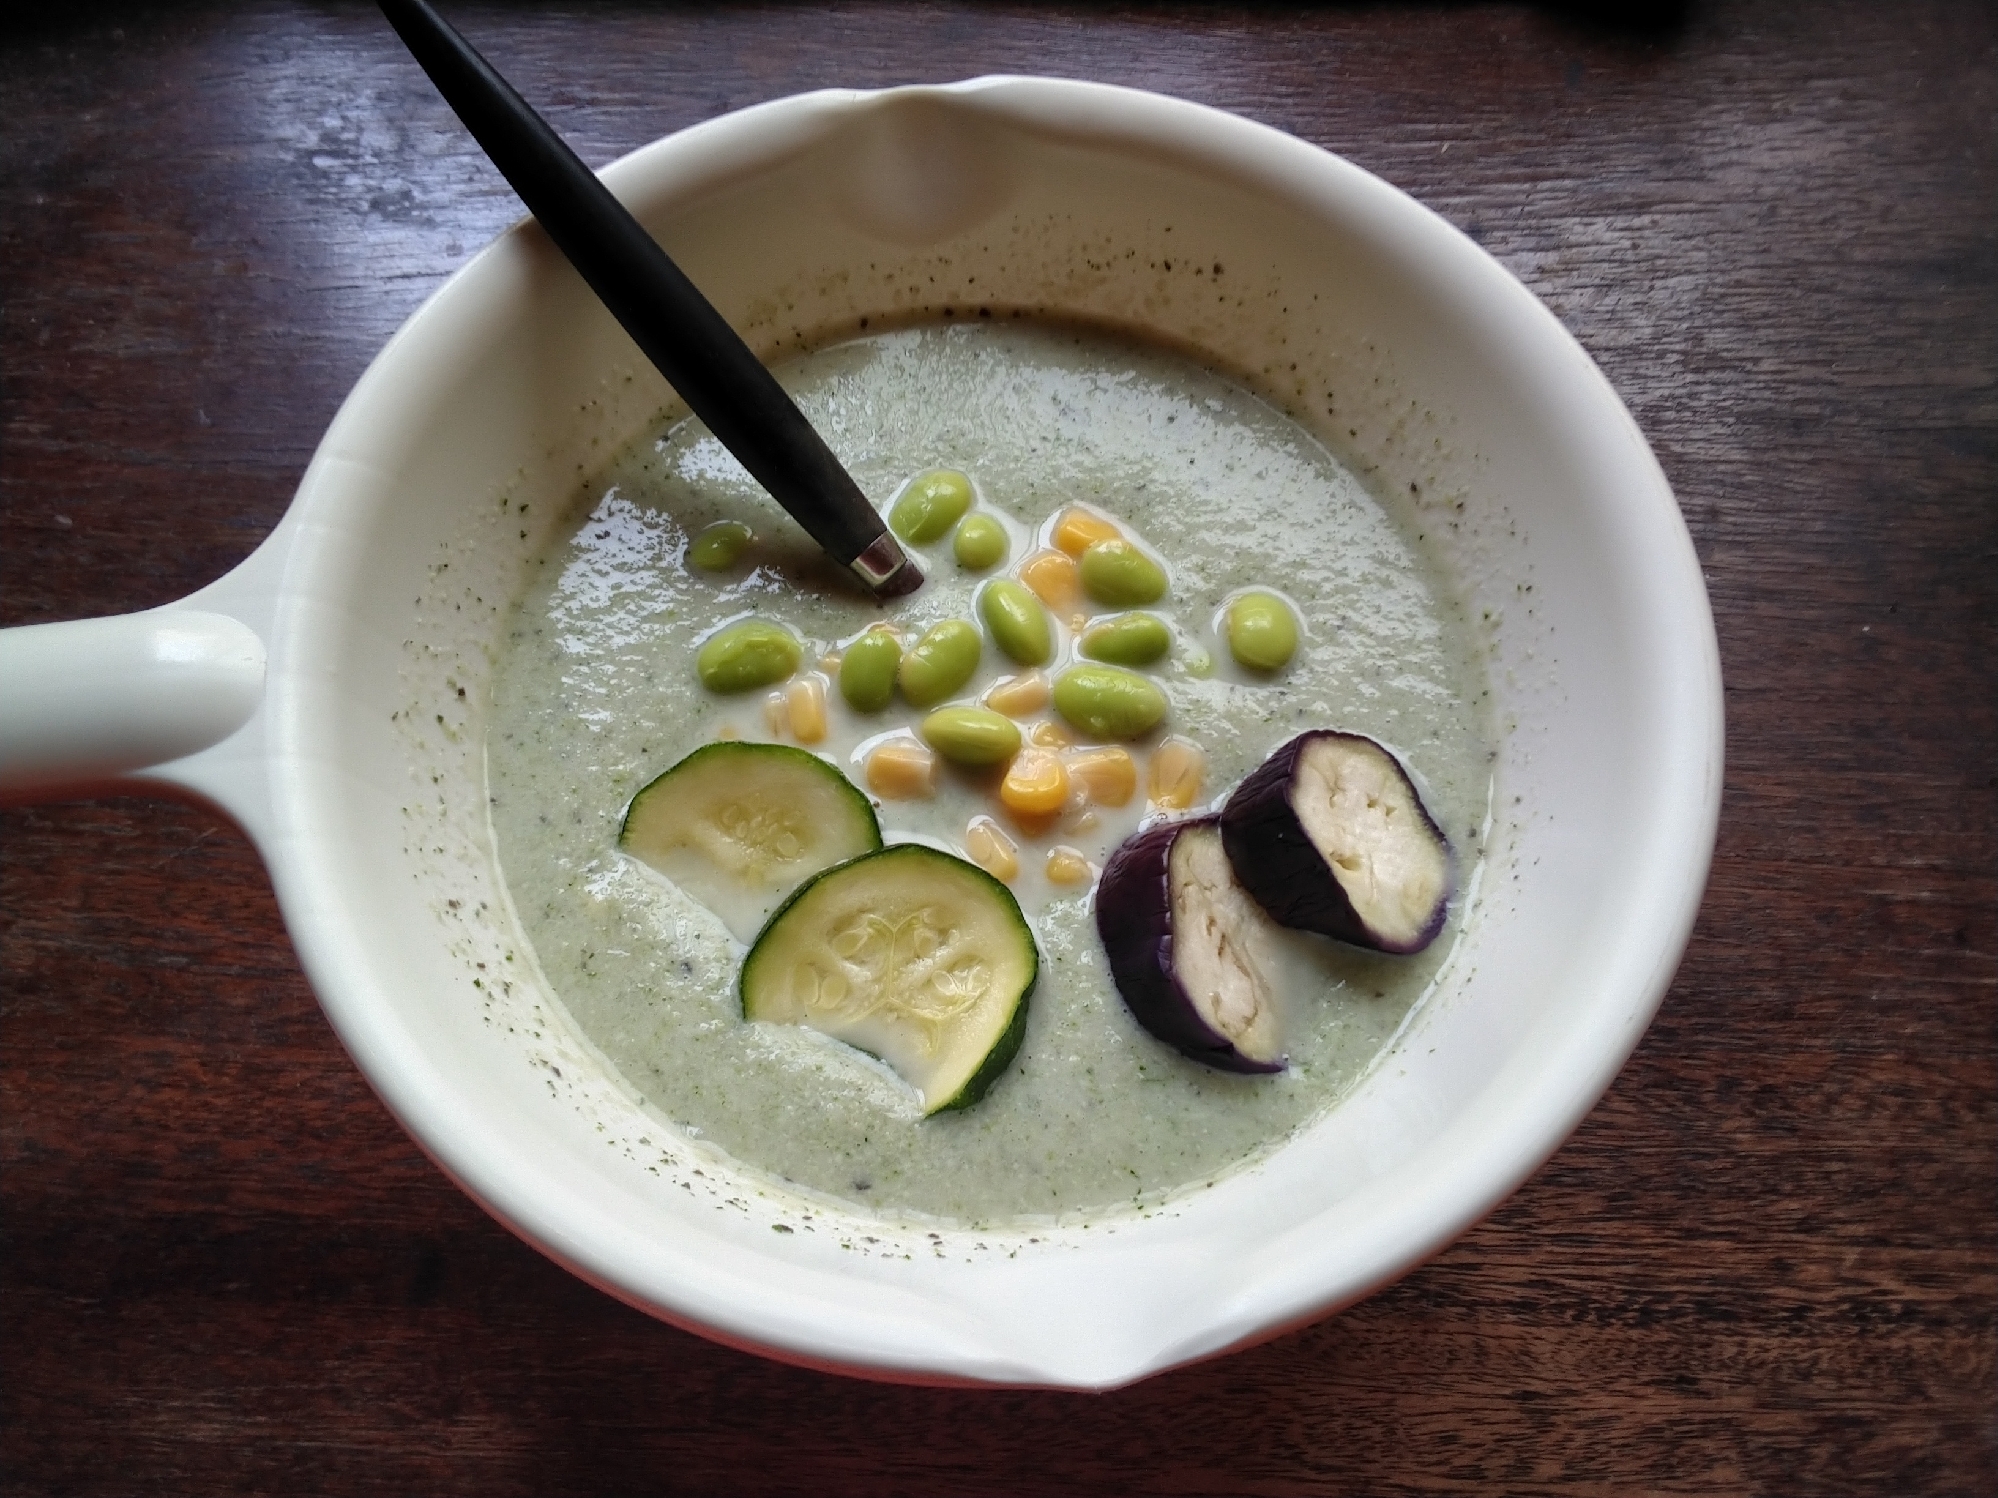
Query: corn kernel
[[1078, 530], [1067, 866], [1036, 785], [829, 663], [992, 850], [1017, 696], [805, 708], [1054, 578], [773, 713], [1109, 775], [902, 770], [1048, 736], [1177, 770]]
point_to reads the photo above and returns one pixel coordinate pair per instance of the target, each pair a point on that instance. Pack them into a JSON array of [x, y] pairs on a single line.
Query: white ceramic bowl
[[326, 674]]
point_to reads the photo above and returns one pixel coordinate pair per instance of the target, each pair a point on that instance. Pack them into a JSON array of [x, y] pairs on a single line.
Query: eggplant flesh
[[1330, 835], [1188, 948]]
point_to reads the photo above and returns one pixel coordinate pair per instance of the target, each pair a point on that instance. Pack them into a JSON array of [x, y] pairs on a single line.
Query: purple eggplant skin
[[1280, 864], [1134, 918]]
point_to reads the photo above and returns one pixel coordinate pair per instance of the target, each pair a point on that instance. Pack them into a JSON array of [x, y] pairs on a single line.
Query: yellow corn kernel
[[902, 770], [992, 850], [1036, 785], [773, 713], [1048, 736], [1017, 696], [1109, 775], [1078, 530], [1178, 768], [1053, 577], [829, 663], [805, 708], [1067, 866]]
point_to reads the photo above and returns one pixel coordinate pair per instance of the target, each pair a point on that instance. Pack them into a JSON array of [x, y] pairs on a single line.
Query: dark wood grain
[[1768, 1263]]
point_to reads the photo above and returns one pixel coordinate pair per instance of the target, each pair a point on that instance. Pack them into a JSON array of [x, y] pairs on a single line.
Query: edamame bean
[[719, 546], [974, 736], [1018, 623], [1127, 640], [1262, 631], [1109, 702], [931, 505], [940, 662], [1117, 573], [980, 542], [748, 654], [867, 671]]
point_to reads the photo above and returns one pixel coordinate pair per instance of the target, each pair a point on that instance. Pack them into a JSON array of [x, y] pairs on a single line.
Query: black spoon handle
[[665, 313]]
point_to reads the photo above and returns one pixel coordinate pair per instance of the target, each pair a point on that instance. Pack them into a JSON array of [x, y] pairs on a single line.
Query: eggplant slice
[[1187, 947], [1330, 835]]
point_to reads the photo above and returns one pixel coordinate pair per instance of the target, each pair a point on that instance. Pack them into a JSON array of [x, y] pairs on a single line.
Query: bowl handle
[[92, 700]]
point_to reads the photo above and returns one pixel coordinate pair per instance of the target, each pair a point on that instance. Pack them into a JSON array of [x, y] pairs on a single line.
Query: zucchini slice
[[908, 954], [738, 826]]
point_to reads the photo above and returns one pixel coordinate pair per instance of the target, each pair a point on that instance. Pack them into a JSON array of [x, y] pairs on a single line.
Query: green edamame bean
[[1127, 640], [746, 655], [867, 671], [1018, 623], [940, 662], [1117, 573], [974, 736], [1109, 702], [980, 542], [931, 505], [719, 546], [1262, 631]]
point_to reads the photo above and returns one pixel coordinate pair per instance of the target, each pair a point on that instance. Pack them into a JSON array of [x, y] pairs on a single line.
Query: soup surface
[[598, 693]]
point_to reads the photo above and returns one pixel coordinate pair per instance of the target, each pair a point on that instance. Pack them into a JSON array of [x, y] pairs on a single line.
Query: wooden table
[[1764, 1264]]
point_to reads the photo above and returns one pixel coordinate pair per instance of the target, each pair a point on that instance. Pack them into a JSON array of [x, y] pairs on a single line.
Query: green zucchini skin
[[997, 1060], [802, 937]]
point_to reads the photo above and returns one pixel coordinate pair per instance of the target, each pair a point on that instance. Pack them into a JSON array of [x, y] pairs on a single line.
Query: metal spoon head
[[886, 569]]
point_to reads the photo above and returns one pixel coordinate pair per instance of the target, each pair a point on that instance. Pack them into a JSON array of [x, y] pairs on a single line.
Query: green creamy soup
[[598, 693]]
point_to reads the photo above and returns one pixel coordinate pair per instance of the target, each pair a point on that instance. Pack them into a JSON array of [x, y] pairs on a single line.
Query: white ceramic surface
[[360, 771]]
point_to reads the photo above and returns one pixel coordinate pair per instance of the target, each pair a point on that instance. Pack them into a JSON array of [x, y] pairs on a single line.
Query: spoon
[[677, 327]]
